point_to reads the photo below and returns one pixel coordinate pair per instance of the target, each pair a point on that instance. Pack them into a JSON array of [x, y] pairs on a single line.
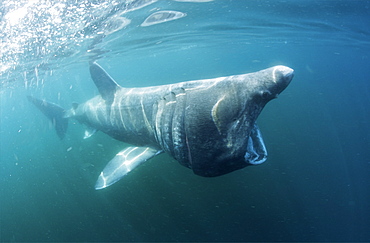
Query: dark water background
[[315, 185]]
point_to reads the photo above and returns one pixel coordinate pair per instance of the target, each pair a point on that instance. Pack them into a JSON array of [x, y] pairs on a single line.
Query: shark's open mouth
[[256, 149]]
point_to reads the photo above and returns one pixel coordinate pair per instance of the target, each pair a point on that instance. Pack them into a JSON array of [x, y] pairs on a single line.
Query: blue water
[[315, 185]]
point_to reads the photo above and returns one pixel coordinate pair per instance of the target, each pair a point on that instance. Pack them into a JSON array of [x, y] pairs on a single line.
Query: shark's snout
[[287, 72], [281, 77]]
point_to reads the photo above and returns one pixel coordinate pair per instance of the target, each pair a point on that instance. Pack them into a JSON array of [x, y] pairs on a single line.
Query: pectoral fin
[[125, 161]]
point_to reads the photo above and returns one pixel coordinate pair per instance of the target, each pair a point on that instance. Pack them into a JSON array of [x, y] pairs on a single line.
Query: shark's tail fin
[[54, 112]]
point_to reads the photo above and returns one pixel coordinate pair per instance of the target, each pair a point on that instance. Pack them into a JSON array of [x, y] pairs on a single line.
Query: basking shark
[[206, 125]]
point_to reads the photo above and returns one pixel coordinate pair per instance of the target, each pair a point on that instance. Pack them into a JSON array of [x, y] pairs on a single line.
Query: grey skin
[[207, 125]]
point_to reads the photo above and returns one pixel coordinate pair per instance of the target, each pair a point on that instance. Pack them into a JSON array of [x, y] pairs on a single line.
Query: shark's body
[[206, 125]]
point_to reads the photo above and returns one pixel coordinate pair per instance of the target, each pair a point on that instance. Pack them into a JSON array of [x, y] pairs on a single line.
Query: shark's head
[[262, 87], [237, 141]]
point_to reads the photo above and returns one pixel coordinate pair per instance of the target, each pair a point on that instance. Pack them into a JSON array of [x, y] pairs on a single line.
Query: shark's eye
[[266, 94]]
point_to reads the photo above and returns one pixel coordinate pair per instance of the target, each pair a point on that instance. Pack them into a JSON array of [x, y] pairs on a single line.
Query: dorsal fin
[[104, 82]]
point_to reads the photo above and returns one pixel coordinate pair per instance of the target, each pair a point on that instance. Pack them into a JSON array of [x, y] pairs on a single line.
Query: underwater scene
[[136, 120]]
